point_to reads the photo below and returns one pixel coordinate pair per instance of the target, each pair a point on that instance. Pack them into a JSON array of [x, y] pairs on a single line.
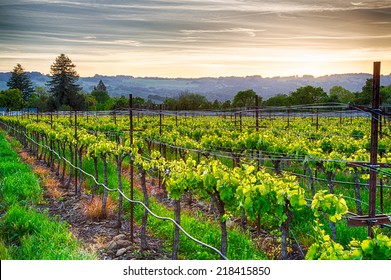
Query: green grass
[[36, 236], [20, 187], [25, 233]]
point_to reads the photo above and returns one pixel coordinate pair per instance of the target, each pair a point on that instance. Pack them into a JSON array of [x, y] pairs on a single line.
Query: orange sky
[[191, 38]]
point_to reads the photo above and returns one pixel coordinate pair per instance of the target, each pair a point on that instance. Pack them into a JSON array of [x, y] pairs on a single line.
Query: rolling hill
[[221, 88]]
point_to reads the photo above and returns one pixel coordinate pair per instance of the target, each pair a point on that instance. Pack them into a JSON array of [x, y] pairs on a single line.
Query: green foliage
[[326, 249], [257, 191], [262, 193], [333, 205], [20, 187], [101, 96], [385, 94], [341, 95], [120, 103], [19, 80], [308, 95], [358, 134], [240, 245], [188, 101], [25, 233], [101, 86], [182, 178], [40, 100], [377, 248], [63, 83], [11, 99], [5, 253], [17, 182], [365, 96], [245, 98], [277, 100], [6, 152], [36, 236]]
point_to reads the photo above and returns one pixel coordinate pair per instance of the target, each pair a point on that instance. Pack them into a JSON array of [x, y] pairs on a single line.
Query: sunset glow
[[197, 38]]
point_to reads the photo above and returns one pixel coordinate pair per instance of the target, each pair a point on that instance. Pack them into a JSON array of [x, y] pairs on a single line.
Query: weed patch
[[93, 207]]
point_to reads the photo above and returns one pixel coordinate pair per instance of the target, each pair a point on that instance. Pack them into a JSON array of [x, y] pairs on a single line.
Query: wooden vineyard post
[[256, 113], [374, 144], [131, 168], [77, 193], [241, 123], [372, 219], [160, 144], [51, 144]]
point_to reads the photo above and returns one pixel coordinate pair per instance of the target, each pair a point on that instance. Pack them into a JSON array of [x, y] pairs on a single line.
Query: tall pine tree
[[63, 84], [100, 86], [20, 80]]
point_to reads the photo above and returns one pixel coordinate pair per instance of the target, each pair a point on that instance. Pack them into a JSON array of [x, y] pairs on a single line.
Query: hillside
[[222, 88]]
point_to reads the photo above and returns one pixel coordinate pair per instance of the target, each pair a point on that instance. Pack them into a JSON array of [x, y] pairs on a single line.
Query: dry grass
[[93, 208], [53, 187], [41, 171], [26, 157]]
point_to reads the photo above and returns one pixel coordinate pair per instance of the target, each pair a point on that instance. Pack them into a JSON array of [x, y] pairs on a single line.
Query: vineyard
[[251, 184]]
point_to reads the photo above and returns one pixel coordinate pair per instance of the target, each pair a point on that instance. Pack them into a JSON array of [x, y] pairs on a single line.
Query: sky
[[188, 38]]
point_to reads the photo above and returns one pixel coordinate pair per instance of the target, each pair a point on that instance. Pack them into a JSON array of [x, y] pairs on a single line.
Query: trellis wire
[[124, 196]]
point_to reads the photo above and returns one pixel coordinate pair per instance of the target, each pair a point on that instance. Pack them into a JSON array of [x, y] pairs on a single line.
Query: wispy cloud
[[166, 36]]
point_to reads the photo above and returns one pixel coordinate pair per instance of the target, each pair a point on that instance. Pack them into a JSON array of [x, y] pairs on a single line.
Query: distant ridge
[[221, 88]]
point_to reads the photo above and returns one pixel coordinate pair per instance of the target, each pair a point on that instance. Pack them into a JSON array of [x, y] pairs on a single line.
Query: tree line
[[62, 93]]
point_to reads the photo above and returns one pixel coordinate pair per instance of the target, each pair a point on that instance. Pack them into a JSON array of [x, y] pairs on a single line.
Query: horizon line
[[211, 77]]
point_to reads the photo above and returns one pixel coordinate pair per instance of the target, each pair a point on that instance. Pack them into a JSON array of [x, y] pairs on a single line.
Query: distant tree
[[308, 95], [171, 103], [90, 102], [63, 84], [341, 95], [81, 102], [216, 105], [11, 99], [40, 100], [120, 103], [192, 101], [365, 96], [101, 97], [188, 101], [246, 98], [226, 104], [385, 94], [20, 80], [100, 86], [138, 102], [278, 100], [149, 104]]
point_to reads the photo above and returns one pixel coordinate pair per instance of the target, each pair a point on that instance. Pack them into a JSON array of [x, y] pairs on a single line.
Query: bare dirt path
[[101, 237]]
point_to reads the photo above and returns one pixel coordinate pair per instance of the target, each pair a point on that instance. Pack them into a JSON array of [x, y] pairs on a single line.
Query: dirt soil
[[102, 237]]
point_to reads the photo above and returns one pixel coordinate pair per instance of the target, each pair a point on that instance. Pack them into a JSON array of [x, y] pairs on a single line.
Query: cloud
[[218, 32]]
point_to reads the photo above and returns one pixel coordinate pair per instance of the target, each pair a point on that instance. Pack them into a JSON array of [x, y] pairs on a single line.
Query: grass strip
[[25, 233]]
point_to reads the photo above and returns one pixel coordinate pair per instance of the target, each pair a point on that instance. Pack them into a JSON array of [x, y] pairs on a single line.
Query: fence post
[[374, 144], [131, 168]]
